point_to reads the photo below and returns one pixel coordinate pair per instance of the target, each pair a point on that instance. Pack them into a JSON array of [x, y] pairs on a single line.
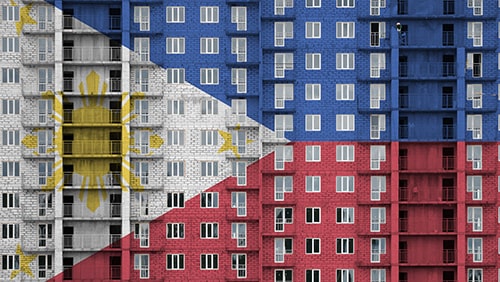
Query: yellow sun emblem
[[24, 263]]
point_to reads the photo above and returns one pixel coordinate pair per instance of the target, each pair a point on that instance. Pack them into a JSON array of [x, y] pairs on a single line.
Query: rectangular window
[[141, 16], [10, 231], [141, 48], [239, 17], [10, 262], [239, 232], [210, 168], [375, 6], [142, 79], [313, 215], [345, 153], [474, 185], [345, 61], [282, 155], [313, 153], [44, 49], [175, 230], [475, 63], [239, 48], [475, 275], [280, 5], [176, 45], [282, 246], [209, 138], [475, 124], [240, 172], [313, 246], [209, 230], [282, 31], [282, 216], [282, 92], [345, 122], [175, 75], [10, 44], [239, 78], [313, 275], [209, 76], [475, 155], [44, 141], [282, 62], [475, 32], [477, 6], [44, 265], [475, 247], [175, 168], [239, 140], [44, 233], [313, 29], [175, 137], [239, 202], [209, 45], [313, 122], [377, 63], [175, 200], [44, 203], [345, 30], [209, 14], [209, 107], [345, 92], [282, 124], [377, 186], [283, 275], [10, 200], [377, 155], [377, 94], [175, 14], [313, 3], [44, 172], [377, 248], [475, 216], [141, 171], [377, 124], [475, 94], [10, 168], [10, 137], [209, 200], [143, 229], [141, 263], [377, 32], [10, 13], [239, 263], [313, 183], [344, 184], [377, 275], [282, 185], [45, 16], [345, 215], [175, 107], [345, 245], [209, 261], [10, 75], [313, 92], [313, 61], [141, 141], [345, 3], [142, 200], [377, 216]]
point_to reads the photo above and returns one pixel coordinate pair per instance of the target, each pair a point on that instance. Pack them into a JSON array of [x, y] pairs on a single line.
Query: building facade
[[247, 140]]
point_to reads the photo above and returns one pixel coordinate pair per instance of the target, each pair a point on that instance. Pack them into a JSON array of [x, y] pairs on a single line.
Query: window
[[280, 5], [282, 62], [239, 263], [141, 48], [209, 45], [282, 92], [10, 200], [313, 215], [313, 29], [282, 185], [176, 45], [141, 262], [44, 49], [175, 76], [345, 184], [313, 275], [175, 261], [477, 6], [239, 78], [475, 94], [209, 107], [10, 231], [239, 17], [345, 215], [209, 261], [239, 140], [10, 13], [10, 262], [239, 202], [175, 168], [345, 3], [345, 245], [141, 141], [282, 246], [475, 124], [282, 216], [313, 246], [142, 200], [44, 203], [209, 230], [313, 3], [377, 124], [313, 91], [475, 247], [44, 141], [377, 155], [345, 92], [475, 155], [313, 122], [345, 275], [141, 170], [377, 186], [282, 31], [475, 216], [475, 274], [209, 14], [209, 137], [210, 168], [44, 265], [175, 230], [142, 82], [44, 172], [345, 30], [44, 233], [209, 200], [475, 32], [474, 185], [345, 153], [175, 200], [175, 107], [239, 232], [377, 216], [10, 75], [282, 124], [239, 48], [345, 122], [377, 63], [375, 6], [345, 61], [313, 153], [44, 110], [10, 137], [10, 44], [143, 229], [475, 63], [282, 155], [377, 32], [377, 275], [378, 248], [283, 275], [240, 172], [313, 183], [141, 16], [313, 61], [175, 137], [209, 76], [10, 168], [175, 14], [377, 94]]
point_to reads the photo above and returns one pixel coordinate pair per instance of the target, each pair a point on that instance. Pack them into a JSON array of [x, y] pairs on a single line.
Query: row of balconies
[[106, 211]]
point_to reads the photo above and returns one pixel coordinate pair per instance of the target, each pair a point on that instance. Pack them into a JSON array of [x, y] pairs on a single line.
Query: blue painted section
[[423, 61]]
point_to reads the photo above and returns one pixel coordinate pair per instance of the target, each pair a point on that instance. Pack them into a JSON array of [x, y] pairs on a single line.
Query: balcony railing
[[443, 69], [89, 116], [91, 241], [448, 225], [403, 163], [403, 194], [92, 147], [105, 210], [448, 162], [449, 256], [448, 194], [403, 225], [92, 54], [76, 180], [403, 256]]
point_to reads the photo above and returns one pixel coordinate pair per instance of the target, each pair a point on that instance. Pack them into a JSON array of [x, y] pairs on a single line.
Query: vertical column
[[461, 211], [461, 94], [394, 244], [394, 84]]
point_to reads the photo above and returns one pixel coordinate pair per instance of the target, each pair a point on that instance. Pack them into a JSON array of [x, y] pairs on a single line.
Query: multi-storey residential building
[[250, 140]]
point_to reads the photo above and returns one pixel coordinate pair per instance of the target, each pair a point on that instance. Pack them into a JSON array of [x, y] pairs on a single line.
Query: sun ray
[[24, 263], [24, 17]]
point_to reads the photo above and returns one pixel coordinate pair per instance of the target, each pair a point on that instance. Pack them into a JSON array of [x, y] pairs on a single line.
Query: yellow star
[[228, 142], [24, 265], [24, 18]]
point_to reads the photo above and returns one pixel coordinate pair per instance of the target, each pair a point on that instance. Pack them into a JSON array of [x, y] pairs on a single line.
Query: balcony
[[97, 55], [403, 256], [418, 102], [427, 70], [92, 117], [73, 25], [447, 164], [92, 148], [74, 180], [91, 242], [37, 58], [417, 226], [70, 88], [105, 211]]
